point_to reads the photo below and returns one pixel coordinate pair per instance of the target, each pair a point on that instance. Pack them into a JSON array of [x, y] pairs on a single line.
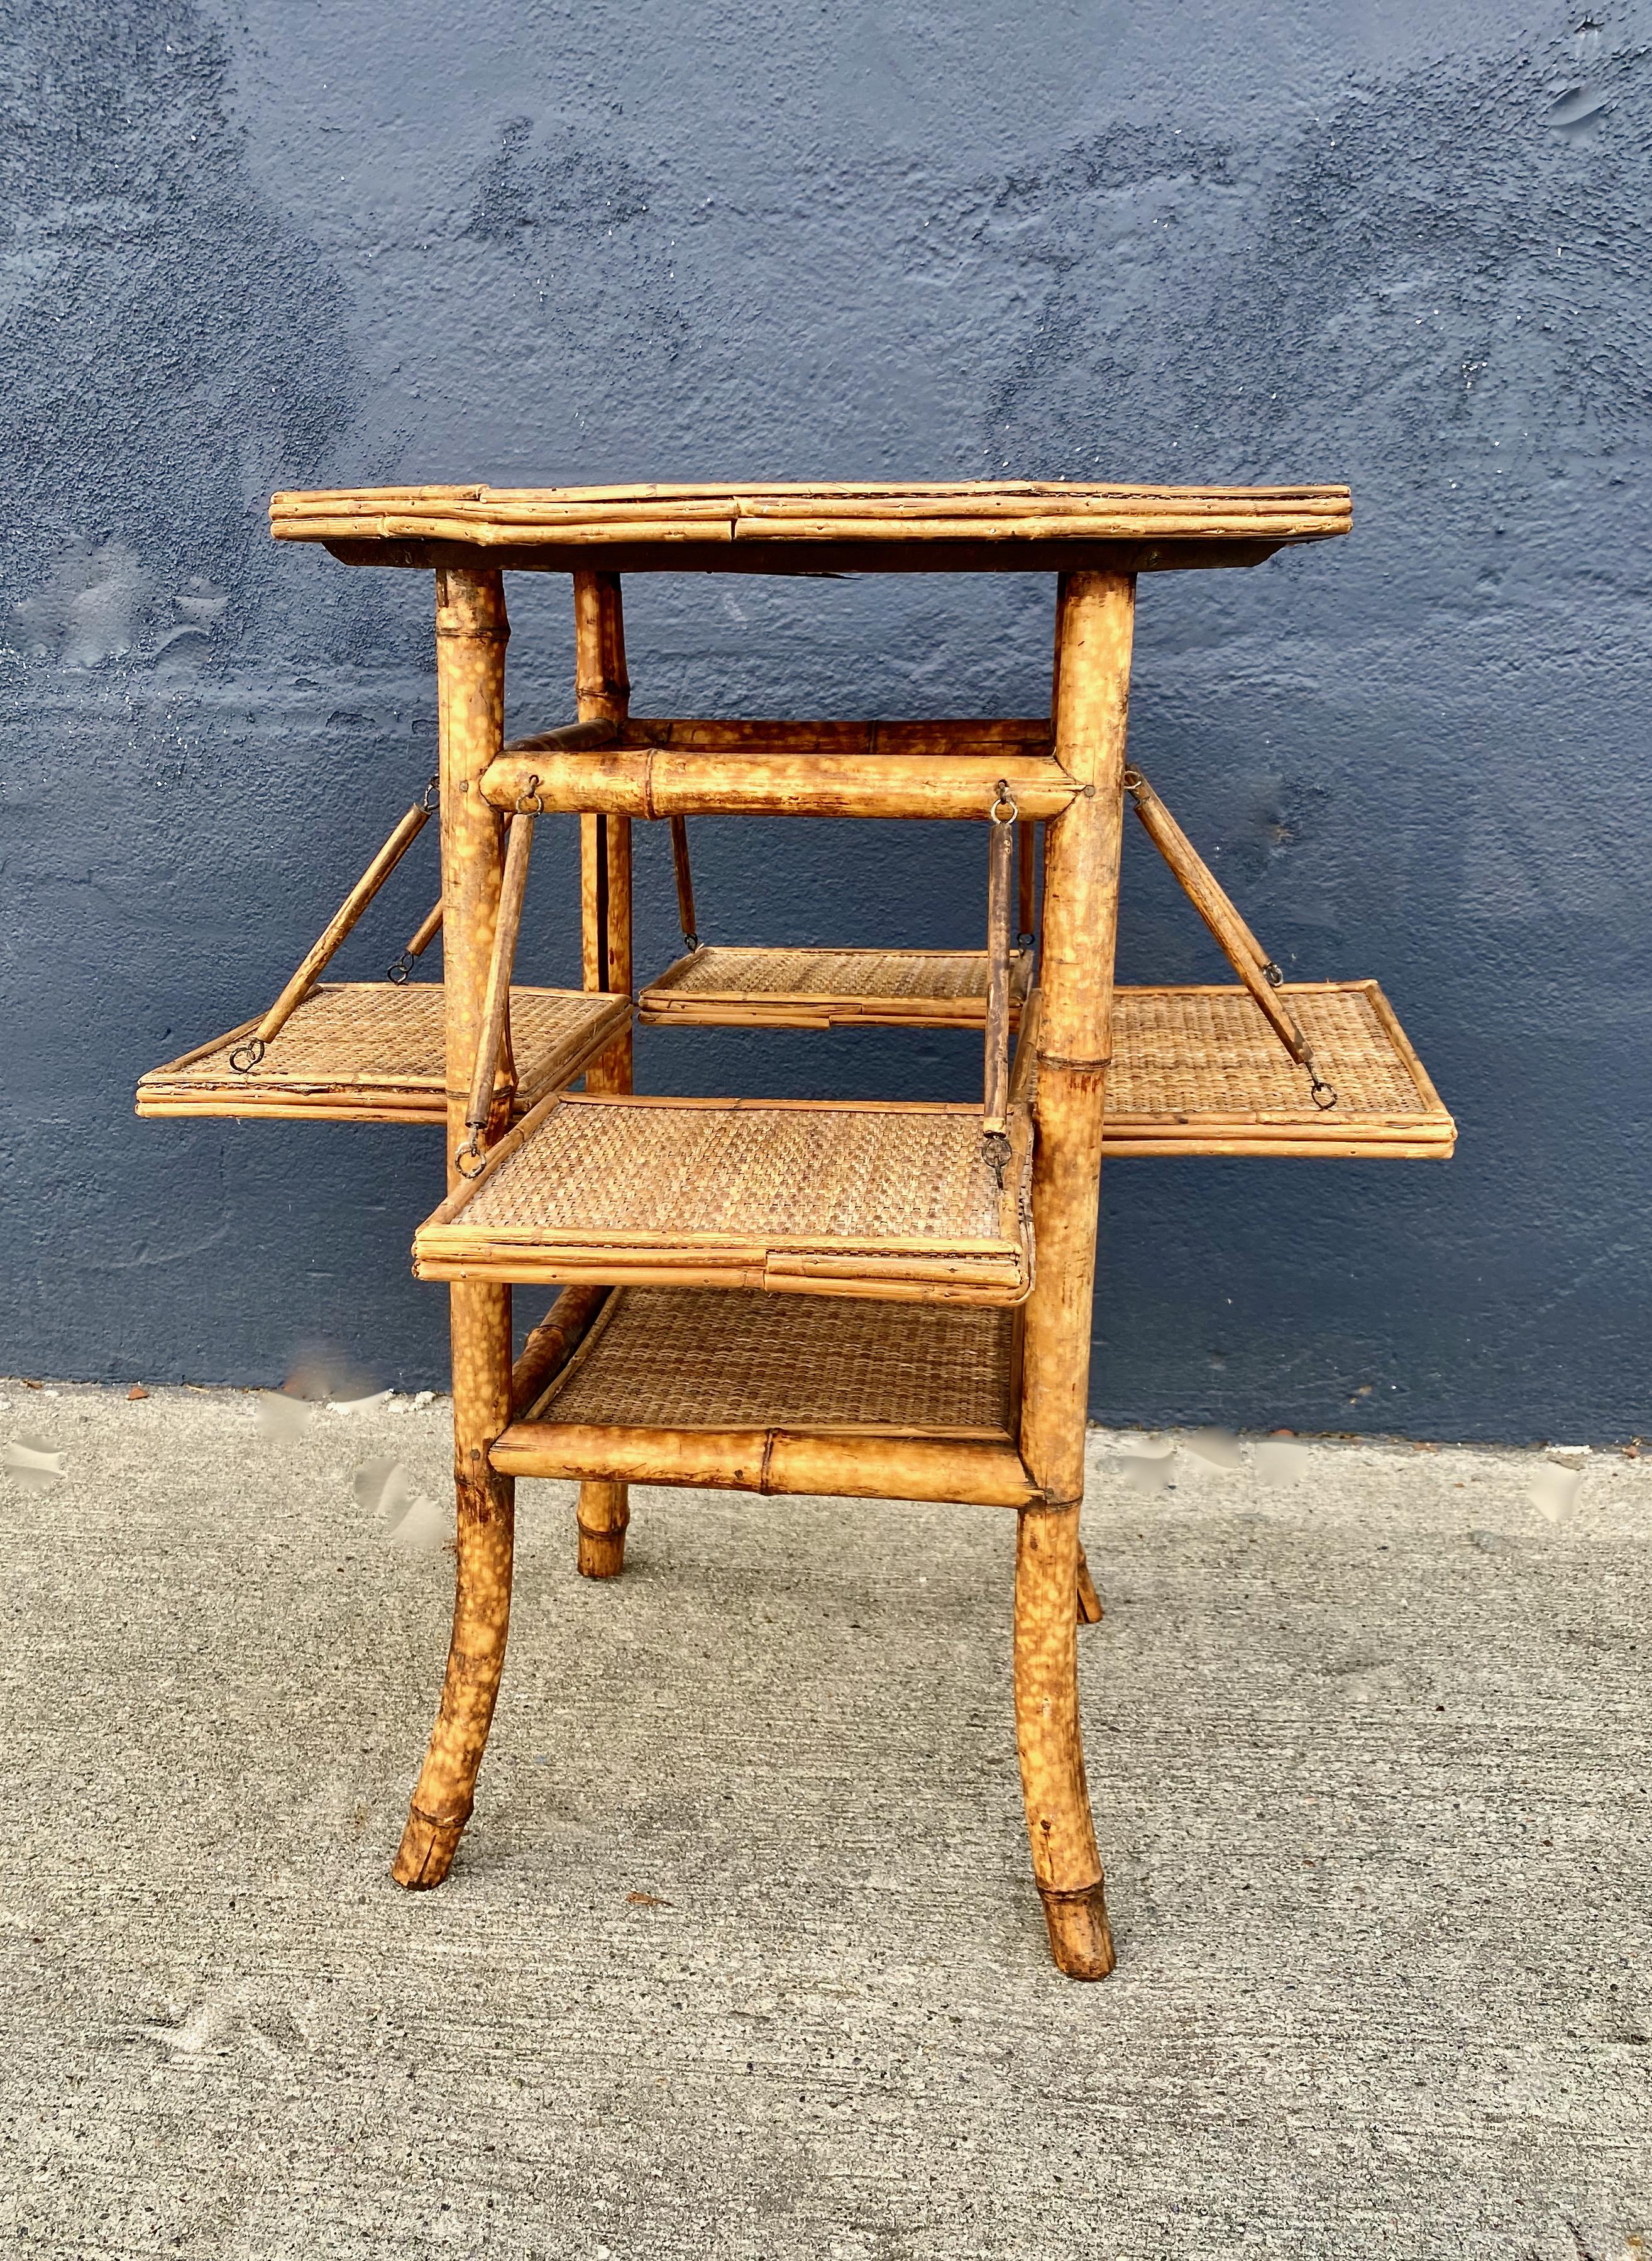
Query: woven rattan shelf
[[1198, 1070], [806, 1197], [784, 1394], [360, 1052], [719, 986]]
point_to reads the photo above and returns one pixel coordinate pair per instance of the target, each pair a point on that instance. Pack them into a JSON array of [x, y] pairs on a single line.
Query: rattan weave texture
[[717, 1358], [1184, 1052], [742, 1168], [721, 971]]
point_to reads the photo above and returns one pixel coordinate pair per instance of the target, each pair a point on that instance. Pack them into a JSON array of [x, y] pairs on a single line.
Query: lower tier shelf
[[720, 986], [361, 1052], [814, 1197], [780, 1394]]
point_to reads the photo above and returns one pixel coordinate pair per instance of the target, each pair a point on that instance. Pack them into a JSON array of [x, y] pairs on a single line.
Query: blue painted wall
[[269, 245]]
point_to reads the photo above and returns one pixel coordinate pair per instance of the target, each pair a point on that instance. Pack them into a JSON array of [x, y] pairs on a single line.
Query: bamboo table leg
[[471, 630], [1094, 625], [603, 689]]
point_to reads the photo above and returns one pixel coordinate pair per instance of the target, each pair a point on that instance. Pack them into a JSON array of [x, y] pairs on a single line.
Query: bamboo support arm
[[602, 694], [495, 1009], [1235, 939], [423, 936], [247, 1057], [1000, 883], [1025, 884], [684, 875]]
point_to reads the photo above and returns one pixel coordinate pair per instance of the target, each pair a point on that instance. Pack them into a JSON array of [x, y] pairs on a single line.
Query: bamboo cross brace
[[246, 1057]]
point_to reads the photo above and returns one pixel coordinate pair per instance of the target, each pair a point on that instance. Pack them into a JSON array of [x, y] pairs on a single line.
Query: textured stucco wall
[[265, 244]]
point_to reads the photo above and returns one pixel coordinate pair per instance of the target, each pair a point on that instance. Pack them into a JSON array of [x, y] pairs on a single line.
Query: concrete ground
[[740, 1956]]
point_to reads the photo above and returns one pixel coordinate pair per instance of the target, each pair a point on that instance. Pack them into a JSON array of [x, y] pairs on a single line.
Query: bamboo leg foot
[[427, 1851], [1079, 1937], [446, 1792], [1089, 1608], [1064, 1859], [604, 1512]]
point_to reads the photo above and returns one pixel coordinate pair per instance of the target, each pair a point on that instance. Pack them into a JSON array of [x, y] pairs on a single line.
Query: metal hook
[[1316, 1084], [402, 970], [470, 1151], [432, 794], [529, 803], [1006, 801], [245, 1058]]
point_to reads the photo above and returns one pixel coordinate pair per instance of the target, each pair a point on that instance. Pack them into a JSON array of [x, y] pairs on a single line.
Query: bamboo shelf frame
[[890, 1300], [775, 1393], [805, 1198], [369, 1052], [719, 986]]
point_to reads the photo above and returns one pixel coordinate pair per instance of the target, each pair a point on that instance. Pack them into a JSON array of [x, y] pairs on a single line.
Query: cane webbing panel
[[707, 1358], [742, 1193], [363, 1052], [1193, 1065], [724, 987]]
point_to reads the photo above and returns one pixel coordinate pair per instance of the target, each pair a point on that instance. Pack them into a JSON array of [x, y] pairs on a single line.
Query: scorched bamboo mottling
[[471, 633]]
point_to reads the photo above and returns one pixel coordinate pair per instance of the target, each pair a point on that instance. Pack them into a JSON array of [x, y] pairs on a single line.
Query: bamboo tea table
[[888, 1302]]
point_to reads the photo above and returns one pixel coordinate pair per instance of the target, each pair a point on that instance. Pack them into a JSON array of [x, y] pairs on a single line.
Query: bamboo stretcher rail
[[845, 1465], [942, 737], [649, 782]]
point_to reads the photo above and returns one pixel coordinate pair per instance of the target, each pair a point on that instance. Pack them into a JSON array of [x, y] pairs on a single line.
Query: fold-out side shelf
[[722, 986], [368, 1051], [1198, 1070], [809, 1197], [784, 1394]]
